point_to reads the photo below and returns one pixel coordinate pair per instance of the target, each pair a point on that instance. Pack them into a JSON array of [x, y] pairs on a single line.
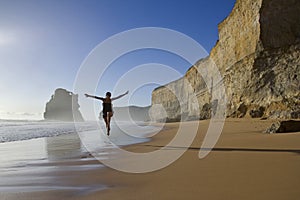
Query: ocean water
[[18, 130], [29, 140], [42, 140], [122, 132], [34, 153]]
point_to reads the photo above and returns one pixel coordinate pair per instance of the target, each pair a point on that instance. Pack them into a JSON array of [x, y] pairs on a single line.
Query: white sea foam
[[25, 130], [122, 132]]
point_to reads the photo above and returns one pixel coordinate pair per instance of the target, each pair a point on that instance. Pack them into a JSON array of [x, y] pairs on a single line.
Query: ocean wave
[[17, 130]]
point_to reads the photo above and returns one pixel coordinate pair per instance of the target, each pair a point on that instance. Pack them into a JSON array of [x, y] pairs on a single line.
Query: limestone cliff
[[258, 56], [63, 106]]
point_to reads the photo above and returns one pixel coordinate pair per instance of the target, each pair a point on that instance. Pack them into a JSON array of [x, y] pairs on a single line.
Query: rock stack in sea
[[63, 106], [258, 56]]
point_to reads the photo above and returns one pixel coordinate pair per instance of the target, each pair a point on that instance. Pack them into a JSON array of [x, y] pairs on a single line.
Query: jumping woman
[[107, 107]]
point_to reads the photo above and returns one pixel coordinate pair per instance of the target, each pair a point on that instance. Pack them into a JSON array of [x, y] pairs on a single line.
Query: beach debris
[[257, 113], [284, 127]]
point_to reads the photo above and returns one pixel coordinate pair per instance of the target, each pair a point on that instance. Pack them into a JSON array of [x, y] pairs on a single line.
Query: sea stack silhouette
[[258, 56], [63, 106]]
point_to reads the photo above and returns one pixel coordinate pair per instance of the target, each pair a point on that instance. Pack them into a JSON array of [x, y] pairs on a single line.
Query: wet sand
[[245, 164]]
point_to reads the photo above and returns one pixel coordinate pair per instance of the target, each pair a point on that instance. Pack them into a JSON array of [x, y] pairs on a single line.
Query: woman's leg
[[105, 119], [109, 115]]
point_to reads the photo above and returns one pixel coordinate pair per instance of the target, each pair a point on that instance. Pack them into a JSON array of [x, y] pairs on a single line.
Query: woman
[[107, 107]]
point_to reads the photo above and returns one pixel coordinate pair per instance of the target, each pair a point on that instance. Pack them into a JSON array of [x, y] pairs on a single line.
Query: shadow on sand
[[225, 149]]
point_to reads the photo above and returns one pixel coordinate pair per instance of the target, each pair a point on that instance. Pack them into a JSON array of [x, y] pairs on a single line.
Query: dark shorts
[[107, 108], [106, 113]]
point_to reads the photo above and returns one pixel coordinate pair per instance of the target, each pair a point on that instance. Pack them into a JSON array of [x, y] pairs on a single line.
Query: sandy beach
[[245, 164], [92, 92]]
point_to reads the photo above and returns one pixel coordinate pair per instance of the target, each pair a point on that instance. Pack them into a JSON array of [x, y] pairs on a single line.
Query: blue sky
[[43, 43]]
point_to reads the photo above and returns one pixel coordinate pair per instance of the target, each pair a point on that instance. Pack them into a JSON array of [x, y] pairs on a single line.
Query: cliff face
[[63, 106], [258, 56]]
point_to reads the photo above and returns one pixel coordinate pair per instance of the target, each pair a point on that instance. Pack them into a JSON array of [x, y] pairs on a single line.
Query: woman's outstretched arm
[[95, 97], [118, 97]]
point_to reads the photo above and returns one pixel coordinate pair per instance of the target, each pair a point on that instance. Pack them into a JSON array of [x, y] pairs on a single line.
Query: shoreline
[[244, 164]]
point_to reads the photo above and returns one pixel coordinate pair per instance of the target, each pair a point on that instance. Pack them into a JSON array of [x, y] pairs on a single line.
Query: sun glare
[[6, 38]]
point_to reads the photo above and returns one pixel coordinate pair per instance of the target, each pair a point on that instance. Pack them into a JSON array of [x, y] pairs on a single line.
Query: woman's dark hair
[[108, 94]]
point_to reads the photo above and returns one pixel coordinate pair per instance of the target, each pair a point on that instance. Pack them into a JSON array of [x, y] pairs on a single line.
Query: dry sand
[[245, 164]]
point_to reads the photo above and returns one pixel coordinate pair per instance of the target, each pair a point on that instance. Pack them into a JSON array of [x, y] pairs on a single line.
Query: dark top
[[107, 107]]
